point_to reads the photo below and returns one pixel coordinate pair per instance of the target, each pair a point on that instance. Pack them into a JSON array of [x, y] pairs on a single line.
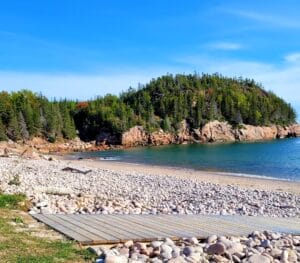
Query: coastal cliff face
[[214, 131]]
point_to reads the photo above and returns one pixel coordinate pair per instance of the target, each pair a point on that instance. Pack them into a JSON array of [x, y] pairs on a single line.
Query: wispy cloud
[[293, 57], [275, 20], [229, 46]]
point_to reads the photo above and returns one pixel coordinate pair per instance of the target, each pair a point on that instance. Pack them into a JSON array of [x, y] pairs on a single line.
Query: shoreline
[[222, 178], [54, 185]]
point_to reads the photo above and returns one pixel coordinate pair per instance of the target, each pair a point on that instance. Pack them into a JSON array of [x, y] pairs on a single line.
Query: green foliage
[[162, 103], [3, 136], [24, 115], [11, 201], [200, 99]]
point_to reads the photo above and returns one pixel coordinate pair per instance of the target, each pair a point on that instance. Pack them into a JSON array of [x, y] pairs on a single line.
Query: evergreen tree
[[13, 130], [23, 127], [3, 136]]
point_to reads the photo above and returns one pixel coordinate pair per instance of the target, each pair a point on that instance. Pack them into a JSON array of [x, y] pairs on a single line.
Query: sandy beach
[[245, 181]]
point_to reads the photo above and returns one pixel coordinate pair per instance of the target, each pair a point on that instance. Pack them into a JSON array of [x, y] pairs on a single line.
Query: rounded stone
[[257, 258], [156, 244], [212, 239], [216, 249], [187, 251]]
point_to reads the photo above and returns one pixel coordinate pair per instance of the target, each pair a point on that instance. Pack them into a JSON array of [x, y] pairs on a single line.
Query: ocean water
[[275, 159]]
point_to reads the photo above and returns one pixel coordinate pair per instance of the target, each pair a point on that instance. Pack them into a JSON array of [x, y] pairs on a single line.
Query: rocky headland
[[214, 131]]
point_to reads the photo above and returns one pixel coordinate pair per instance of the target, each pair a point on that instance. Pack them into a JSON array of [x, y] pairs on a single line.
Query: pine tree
[[13, 130], [23, 127], [3, 136]]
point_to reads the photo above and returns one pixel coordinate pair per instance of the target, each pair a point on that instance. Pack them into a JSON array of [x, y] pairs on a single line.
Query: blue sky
[[80, 49]]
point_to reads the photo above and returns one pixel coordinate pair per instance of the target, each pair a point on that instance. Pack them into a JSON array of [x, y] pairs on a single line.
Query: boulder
[[216, 131], [295, 130], [255, 133], [183, 133], [161, 138], [135, 136]]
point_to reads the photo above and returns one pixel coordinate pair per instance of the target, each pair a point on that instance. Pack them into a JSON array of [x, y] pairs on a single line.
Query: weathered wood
[[63, 229], [91, 232], [110, 229]]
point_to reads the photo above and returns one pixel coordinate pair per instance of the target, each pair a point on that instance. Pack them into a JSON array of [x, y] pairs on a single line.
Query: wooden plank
[[168, 230], [63, 229], [124, 220], [187, 228], [105, 229], [114, 229], [93, 233], [132, 228], [73, 225], [230, 227], [196, 224]]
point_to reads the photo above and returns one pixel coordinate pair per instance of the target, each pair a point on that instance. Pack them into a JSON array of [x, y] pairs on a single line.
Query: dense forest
[[162, 103]]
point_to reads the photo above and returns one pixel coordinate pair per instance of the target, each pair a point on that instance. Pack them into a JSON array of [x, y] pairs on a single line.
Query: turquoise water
[[278, 158]]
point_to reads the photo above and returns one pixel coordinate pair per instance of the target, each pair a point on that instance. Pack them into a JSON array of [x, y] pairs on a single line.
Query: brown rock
[[255, 133], [216, 131], [216, 249], [134, 137], [30, 154], [161, 138], [295, 130], [183, 133]]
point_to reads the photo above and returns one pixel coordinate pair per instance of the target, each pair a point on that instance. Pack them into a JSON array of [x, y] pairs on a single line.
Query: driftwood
[[74, 170]]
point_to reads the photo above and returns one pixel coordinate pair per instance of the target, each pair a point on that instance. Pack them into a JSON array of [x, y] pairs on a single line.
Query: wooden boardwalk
[[110, 229]]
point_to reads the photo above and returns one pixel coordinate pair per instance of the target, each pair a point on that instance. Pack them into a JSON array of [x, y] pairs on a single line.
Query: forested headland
[[161, 104]]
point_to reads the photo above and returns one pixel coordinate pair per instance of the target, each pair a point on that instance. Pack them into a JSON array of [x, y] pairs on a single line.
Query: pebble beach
[[118, 188], [106, 189]]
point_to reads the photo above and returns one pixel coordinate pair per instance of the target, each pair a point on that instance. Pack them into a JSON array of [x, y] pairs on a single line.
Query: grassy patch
[[16, 246], [11, 201]]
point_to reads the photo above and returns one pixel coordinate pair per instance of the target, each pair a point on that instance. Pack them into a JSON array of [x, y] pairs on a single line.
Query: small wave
[[110, 158], [254, 176]]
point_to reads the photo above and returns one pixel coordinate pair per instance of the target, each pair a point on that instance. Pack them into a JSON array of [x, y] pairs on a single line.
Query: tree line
[[161, 104]]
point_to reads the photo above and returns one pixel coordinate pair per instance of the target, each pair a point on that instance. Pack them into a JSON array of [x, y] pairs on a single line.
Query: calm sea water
[[278, 158]]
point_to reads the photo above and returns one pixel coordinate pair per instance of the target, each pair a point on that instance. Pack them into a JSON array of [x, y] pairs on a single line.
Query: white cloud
[[275, 20], [293, 57], [225, 46]]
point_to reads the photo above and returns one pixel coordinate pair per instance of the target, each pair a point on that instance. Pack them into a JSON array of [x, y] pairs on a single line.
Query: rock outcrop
[[134, 137], [216, 131], [256, 133], [184, 133], [161, 138]]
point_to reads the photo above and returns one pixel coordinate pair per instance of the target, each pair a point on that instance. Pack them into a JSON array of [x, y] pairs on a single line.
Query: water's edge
[[272, 160]]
